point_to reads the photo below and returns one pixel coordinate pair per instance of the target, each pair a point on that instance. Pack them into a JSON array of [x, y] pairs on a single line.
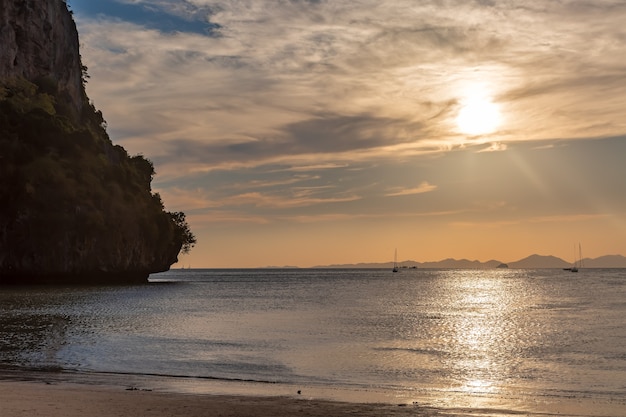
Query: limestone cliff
[[73, 206], [39, 40]]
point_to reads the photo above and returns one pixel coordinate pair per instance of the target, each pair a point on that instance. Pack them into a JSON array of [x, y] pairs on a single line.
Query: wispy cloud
[[267, 200], [349, 75], [495, 147], [424, 187]]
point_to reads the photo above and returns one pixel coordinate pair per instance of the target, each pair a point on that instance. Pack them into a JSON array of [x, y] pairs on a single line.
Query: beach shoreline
[[58, 394], [66, 399]]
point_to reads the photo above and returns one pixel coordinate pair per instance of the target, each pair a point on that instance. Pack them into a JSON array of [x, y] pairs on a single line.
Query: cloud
[[298, 200], [258, 110], [221, 217], [165, 16], [363, 73], [424, 187], [495, 147]]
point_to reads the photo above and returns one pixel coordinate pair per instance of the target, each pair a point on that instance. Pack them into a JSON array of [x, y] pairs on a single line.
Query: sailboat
[[395, 262], [578, 262]]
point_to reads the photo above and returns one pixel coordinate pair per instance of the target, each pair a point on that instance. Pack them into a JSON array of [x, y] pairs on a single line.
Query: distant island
[[530, 262]]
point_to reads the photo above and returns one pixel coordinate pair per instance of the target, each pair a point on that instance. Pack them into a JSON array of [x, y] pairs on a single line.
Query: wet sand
[[62, 399], [55, 394]]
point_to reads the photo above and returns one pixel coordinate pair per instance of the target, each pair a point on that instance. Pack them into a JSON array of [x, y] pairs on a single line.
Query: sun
[[478, 115]]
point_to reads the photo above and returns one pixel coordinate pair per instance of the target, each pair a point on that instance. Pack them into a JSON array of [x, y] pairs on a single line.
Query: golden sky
[[312, 132]]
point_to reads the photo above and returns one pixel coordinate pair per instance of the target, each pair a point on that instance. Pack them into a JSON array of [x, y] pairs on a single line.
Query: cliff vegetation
[[74, 206]]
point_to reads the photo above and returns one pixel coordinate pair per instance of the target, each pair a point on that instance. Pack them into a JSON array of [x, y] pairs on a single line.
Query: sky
[[319, 132]]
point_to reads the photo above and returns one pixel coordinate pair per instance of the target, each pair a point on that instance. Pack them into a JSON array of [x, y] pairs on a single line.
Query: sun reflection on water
[[478, 385], [480, 348]]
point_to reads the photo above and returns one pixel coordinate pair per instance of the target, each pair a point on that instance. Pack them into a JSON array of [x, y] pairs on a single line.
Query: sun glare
[[478, 115]]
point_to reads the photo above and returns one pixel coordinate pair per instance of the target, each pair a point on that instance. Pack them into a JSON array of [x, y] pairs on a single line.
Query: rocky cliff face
[[74, 207], [39, 40]]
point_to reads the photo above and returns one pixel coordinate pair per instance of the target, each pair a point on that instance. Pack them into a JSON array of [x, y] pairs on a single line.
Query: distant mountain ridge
[[530, 262]]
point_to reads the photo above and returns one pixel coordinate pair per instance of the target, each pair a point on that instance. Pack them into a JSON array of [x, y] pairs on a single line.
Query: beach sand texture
[[39, 399]]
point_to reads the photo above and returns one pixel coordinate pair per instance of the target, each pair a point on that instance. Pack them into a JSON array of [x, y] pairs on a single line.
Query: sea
[[544, 341]]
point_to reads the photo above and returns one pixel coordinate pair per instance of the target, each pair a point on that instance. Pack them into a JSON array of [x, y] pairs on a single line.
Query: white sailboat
[[395, 262], [578, 262]]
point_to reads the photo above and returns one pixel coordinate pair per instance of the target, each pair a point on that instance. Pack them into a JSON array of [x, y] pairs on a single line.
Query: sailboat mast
[[395, 261]]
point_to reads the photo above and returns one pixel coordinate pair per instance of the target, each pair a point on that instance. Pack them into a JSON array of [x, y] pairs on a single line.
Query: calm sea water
[[534, 340]]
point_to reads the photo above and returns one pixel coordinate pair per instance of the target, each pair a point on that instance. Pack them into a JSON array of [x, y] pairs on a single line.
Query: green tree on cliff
[[72, 202]]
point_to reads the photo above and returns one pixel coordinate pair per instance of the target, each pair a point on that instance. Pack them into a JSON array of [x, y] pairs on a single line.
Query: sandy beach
[[30, 395], [34, 399]]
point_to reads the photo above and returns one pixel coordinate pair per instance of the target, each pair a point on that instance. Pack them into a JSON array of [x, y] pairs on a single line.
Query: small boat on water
[[395, 262], [578, 262]]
